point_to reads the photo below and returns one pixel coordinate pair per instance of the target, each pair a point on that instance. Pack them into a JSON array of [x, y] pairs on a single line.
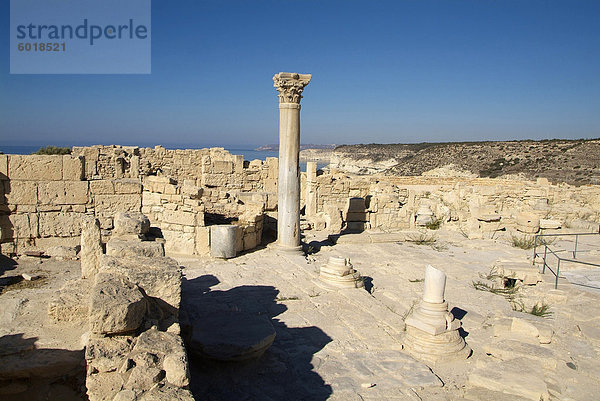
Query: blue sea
[[249, 154]]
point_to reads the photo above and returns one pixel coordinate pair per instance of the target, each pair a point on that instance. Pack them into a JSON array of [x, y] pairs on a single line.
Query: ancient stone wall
[[43, 198], [211, 168], [470, 203]]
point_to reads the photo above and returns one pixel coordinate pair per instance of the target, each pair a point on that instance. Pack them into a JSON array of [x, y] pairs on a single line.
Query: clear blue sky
[[383, 71]]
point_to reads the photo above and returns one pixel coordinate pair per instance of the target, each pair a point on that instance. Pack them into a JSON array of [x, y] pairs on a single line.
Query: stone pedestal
[[222, 241], [311, 189], [528, 223], [424, 215], [91, 247], [431, 331], [339, 272], [290, 87]]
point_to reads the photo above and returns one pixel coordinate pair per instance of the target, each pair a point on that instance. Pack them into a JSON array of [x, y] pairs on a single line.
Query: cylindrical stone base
[[445, 347], [222, 241]]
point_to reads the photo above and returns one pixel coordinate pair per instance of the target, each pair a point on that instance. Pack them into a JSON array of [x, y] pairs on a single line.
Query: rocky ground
[[346, 344], [40, 358], [571, 161]]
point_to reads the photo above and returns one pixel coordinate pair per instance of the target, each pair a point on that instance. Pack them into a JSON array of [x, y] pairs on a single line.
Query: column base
[[296, 250]]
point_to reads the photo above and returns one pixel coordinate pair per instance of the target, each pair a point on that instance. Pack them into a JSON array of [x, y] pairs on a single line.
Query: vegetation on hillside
[[53, 150]]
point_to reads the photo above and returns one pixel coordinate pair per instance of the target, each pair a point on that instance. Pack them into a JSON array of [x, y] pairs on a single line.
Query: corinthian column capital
[[290, 86]]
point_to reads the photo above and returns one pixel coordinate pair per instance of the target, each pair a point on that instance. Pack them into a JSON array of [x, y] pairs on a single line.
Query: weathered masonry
[[183, 192]]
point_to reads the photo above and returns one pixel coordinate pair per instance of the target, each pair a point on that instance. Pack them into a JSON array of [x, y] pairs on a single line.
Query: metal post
[[534, 249], [545, 251], [557, 273], [575, 250]]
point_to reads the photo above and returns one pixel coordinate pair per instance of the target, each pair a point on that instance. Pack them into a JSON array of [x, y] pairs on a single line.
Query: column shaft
[[288, 215], [290, 87]]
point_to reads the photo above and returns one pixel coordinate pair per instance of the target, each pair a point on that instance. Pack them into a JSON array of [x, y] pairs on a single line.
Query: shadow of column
[[284, 372]]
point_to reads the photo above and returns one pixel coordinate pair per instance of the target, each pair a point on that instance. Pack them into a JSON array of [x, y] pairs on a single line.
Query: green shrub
[[53, 150], [525, 242], [434, 224], [422, 239]]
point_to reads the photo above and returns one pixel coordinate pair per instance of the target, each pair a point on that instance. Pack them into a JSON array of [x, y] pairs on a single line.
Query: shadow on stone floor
[[7, 264], [315, 246], [36, 374], [283, 372]]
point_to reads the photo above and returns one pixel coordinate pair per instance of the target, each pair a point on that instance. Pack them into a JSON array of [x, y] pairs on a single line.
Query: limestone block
[[523, 327], [319, 221], [222, 167], [107, 354], [91, 246], [333, 218], [251, 240], [131, 224], [223, 241], [214, 180], [102, 187], [51, 193], [549, 224], [522, 377], [179, 242], [150, 199], [70, 305], [122, 248], [3, 167], [134, 166], [192, 191], [76, 193], [528, 223], [238, 164], [521, 271], [35, 167], [21, 193], [159, 277], [202, 240], [62, 252], [73, 168], [61, 224], [181, 217], [103, 386], [170, 189], [270, 185], [175, 366], [115, 203], [23, 225], [116, 306], [127, 186], [271, 203]]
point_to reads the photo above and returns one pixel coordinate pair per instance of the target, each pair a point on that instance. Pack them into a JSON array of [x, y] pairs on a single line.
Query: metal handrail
[[535, 242], [547, 248]]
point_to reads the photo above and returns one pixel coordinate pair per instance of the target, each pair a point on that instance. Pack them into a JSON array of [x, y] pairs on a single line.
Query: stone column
[[431, 331], [290, 87], [435, 285]]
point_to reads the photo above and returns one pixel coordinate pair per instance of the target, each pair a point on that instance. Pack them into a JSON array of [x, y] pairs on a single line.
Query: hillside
[[572, 161]]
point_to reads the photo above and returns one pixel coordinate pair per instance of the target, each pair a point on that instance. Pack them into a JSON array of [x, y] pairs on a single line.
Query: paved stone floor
[[347, 344]]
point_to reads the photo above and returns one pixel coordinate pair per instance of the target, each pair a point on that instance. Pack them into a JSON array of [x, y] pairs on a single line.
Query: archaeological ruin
[[132, 273]]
